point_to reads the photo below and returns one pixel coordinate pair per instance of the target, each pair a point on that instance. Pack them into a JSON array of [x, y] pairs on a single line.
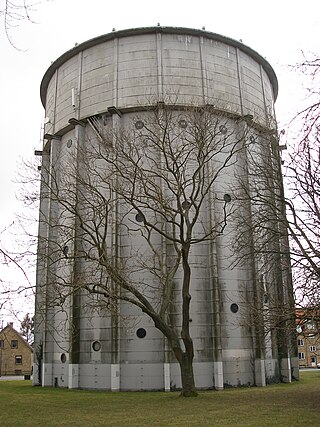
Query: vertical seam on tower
[[159, 66], [115, 71], [264, 95], [55, 101], [203, 72], [240, 81], [80, 56]]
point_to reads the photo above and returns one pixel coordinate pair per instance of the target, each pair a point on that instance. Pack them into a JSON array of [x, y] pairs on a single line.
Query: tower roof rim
[[158, 29]]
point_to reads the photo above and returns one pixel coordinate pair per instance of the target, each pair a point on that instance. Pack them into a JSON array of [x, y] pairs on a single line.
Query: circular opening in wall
[[141, 333], [234, 307], [65, 250], [139, 217], [185, 204], [227, 198], [63, 358], [183, 124], [96, 345], [69, 143], [139, 124], [223, 129]]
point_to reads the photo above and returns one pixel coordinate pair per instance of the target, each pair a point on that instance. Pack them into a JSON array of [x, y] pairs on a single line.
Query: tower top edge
[[160, 30]]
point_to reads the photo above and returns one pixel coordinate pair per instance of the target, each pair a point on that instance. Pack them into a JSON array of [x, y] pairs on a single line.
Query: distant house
[[308, 336], [15, 353]]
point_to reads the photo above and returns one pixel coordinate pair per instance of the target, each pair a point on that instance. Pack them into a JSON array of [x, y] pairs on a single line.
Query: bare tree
[[12, 260], [285, 221], [18, 243], [303, 182], [164, 172], [304, 220], [14, 12], [26, 328]]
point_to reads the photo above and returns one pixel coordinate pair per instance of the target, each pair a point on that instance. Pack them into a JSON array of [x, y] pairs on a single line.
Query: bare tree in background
[[18, 244], [164, 173], [303, 182], [12, 260], [285, 221], [15, 12], [27, 328]]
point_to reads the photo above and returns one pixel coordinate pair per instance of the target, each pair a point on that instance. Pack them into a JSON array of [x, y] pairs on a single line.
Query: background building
[[15, 353], [308, 338], [111, 82]]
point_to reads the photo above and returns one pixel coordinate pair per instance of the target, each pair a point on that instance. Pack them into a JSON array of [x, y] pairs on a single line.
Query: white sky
[[278, 30]]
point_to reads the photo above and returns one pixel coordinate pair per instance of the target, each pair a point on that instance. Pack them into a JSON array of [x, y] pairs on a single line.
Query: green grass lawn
[[294, 404]]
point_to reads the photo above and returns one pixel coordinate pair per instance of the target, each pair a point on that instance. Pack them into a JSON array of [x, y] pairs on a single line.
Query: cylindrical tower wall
[[111, 82], [133, 68]]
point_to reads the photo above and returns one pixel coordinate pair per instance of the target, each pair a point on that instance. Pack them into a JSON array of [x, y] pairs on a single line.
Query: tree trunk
[[186, 357], [187, 378]]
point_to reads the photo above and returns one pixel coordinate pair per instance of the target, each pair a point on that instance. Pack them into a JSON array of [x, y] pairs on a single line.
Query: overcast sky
[[278, 30]]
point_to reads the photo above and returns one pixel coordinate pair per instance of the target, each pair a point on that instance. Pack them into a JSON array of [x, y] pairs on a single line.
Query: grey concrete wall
[[132, 70]]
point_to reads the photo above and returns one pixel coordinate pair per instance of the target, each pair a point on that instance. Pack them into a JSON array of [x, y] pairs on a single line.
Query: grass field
[[294, 404]]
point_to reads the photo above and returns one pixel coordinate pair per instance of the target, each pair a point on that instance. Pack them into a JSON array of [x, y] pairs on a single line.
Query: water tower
[[104, 84]]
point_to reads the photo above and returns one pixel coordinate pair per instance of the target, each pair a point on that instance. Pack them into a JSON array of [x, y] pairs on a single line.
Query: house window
[[1, 344], [300, 342], [14, 344], [301, 355], [18, 360], [313, 348]]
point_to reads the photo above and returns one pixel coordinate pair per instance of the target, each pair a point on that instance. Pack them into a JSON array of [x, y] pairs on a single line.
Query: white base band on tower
[[115, 377]]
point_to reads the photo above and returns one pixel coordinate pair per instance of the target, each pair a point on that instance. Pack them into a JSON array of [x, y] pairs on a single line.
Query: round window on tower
[[234, 307], [185, 204], [223, 129], [183, 124], [141, 333], [140, 217], [96, 345], [65, 250], [227, 198], [139, 124]]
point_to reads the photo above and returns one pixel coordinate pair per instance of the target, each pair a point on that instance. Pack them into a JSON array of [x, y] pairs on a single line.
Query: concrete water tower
[[105, 84]]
